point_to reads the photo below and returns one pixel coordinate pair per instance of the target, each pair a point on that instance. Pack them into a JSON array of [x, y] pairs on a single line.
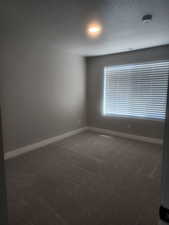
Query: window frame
[[112, 115]]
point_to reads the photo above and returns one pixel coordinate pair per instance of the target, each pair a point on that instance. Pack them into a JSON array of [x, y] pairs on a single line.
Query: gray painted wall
[[3, 200], [43, 93], [95, 65]]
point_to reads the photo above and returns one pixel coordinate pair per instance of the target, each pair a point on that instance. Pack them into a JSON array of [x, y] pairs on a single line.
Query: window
[[137, 90]]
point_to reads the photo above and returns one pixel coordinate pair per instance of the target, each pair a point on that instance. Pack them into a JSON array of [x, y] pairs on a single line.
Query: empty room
[[84, 112]]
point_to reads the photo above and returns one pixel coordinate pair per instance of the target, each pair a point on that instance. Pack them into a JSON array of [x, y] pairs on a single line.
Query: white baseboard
[[48, 141], [128, 136], [43, 143]]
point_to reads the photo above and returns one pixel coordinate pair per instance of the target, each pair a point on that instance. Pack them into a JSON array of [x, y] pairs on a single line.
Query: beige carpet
[[88, 179]]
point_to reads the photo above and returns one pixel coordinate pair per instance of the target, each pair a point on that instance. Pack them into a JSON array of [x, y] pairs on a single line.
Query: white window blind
[[138, 90]]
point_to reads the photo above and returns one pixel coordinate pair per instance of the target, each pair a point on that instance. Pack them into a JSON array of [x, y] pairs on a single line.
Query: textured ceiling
[[62, 23]]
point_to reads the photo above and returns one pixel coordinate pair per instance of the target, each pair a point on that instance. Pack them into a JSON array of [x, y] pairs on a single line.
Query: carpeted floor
[[88, 179]]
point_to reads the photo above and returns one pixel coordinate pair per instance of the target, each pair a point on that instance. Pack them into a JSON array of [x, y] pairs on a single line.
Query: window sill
[[132, 117]]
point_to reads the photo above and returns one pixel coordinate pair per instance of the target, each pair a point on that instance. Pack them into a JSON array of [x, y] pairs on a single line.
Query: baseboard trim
[[128, 136], [48, 141], [43, 143]]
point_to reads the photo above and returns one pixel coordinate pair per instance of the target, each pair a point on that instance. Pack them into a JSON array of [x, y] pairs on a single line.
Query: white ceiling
[[63, 22]]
